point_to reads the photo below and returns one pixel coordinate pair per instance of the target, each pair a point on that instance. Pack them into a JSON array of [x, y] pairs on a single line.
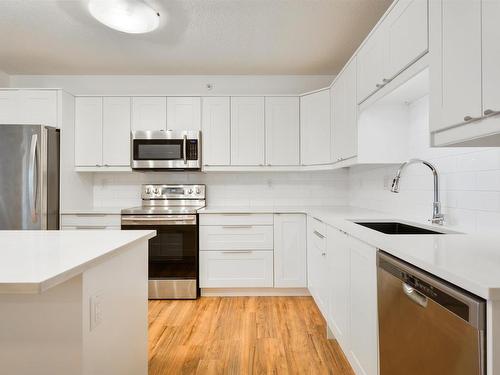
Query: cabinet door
[[247, 131], [39, 107], [315, 128], [458, 61], [149, 113], [338, 285], [407, 35], [116, 131], [10, 108], [491, 55], [88, 131], [290, 251], [236, 269], [363, 320], [216, 126], [317, 267], [371, 64], [282, 131], [35, 107], [183, 113], [345, 115]]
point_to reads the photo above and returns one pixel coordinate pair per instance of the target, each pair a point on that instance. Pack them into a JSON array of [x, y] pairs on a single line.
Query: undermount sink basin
[[393, 227]]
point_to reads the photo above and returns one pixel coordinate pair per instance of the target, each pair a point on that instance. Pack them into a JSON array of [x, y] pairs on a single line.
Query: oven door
[[173, 254], [165, 150]]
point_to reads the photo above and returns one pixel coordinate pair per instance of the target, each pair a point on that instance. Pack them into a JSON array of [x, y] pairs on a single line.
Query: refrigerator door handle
[[32, 180]]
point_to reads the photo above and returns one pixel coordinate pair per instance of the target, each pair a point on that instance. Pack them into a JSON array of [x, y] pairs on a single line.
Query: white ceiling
[[195, 37]]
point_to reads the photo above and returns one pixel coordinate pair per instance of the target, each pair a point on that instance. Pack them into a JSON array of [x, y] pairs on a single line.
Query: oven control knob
[[190, 191], [198, 191], [157, 191], [148, 191]]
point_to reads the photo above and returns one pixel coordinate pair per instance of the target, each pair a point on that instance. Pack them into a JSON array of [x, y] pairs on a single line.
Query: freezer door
[[21, 177]]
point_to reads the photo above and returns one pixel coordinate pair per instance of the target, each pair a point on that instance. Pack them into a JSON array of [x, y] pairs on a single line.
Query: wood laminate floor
[[241, 335]]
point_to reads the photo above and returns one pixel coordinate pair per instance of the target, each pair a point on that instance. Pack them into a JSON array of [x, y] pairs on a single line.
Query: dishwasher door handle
[[414, 295]]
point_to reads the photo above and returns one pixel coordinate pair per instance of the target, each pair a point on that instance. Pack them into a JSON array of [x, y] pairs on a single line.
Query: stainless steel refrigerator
[[29, 177]]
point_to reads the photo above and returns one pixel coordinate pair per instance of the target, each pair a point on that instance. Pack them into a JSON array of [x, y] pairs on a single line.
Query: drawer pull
[[90, 215], [91, 227], [237, 226], [237, 252], [318, 234]]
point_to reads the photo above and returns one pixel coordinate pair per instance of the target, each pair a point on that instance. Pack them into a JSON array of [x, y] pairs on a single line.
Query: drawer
[[236, 269], [89, 227], [317, 232], [96, 220], [236, 237], [236, 219]]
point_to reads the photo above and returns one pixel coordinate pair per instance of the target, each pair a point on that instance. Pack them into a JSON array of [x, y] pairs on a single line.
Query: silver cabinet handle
[[91, 227], [490, 112], [470, 118], [236, 252], [318, 234], [385, 80], [414, 295], [379, 85], [32, 180], [237, 226], [184, 148]]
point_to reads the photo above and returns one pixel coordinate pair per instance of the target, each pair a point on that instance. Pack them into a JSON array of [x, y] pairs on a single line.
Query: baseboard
[[252, 292]]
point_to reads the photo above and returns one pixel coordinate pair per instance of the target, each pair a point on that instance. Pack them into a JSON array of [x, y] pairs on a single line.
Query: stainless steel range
[[171, 210]]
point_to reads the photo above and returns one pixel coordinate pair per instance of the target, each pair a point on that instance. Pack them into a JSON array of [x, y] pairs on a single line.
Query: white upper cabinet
[[407, 28], [397, 42], [464, 74], [491, 56], [34, 107], [149, 113], [315, 128], [116, 131], [216, 131], [183, 113], [282, 131], [88, 131], [371, 73], [247, 131], [344, 115], [290, 251]]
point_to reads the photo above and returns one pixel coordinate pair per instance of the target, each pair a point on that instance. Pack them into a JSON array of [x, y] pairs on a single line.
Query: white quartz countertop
[[34, 261], [470, 261]]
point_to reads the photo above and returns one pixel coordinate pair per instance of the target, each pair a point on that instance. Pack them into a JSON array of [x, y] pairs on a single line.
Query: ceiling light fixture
[[128, 16]]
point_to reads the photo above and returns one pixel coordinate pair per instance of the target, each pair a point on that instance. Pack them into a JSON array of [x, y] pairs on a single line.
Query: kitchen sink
[[393, 227]]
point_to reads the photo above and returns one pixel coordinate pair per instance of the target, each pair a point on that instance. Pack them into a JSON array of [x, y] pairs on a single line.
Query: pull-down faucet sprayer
[[437, 215]]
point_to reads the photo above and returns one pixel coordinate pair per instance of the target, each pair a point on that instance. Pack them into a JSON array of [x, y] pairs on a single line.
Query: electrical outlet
[[95, 311]]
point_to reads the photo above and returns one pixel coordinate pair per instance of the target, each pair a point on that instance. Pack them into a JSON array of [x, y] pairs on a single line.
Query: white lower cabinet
[[290, 251], [363, 316], [317, 266], [236, 269], [343, 282], [338, 285]]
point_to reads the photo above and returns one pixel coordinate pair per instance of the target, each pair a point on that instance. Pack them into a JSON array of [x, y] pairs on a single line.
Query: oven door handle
[[159, 220], [184, 148]]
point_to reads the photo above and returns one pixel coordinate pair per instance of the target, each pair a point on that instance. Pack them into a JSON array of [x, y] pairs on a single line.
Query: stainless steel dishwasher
[[426, 325]]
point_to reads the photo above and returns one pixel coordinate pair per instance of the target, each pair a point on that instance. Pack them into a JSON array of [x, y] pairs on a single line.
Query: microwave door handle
[[184, 148]]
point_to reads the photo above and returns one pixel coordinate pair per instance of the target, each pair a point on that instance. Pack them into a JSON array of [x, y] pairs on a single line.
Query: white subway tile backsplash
[[469, 182]]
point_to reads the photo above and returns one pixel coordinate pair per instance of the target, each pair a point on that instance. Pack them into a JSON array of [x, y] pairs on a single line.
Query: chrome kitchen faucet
[[437, 215]]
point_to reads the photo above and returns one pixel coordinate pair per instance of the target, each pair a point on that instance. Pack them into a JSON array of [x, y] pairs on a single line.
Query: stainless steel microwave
[[166, 150]]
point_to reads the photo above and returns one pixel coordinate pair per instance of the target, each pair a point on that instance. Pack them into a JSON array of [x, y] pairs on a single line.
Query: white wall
[[176, 85], [469, 177], [235, 189], [4, 79]]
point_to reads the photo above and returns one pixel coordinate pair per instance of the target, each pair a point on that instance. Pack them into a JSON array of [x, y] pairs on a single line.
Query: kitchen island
[[73, 302]]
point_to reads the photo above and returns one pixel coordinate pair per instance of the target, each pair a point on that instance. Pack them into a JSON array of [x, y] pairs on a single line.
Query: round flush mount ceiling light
[[128, 16]]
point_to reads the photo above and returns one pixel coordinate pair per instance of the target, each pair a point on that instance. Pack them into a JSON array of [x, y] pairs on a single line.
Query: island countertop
[[34, 261]]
